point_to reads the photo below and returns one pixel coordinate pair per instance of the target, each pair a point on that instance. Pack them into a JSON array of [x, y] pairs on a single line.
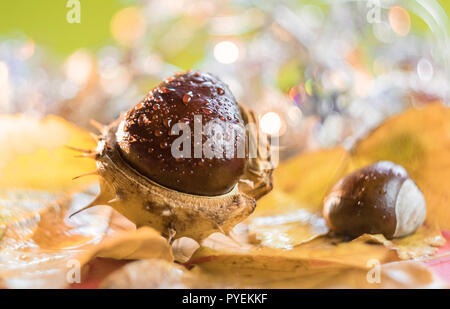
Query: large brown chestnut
[[378, 199], [145, 135], [142, 176]]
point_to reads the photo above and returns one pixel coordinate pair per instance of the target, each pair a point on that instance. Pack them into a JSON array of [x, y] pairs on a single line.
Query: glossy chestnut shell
[[146, 135], [378, 199]]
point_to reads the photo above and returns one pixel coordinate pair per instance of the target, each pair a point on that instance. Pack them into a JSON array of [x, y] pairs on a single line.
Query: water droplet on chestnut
[[167, 122], [187, 97], [142, 120], [206, 111]]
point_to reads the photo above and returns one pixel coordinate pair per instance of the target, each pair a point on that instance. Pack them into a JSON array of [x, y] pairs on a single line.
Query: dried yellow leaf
[[34, 155], [419, 140]]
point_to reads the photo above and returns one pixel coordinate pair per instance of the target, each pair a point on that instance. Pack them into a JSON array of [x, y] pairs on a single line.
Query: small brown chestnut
[[378, 199]]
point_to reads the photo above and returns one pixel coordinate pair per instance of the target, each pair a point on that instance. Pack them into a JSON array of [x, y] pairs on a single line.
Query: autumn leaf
[[307, 178], [34, 155], [143, 243], [283, 244], [279, 221], [405, 274], [39, 242], [419, 140], [333, 263], [40, 250], [162, 274], [421, 244], [35, 249], [35, 165], [291, 214], [159, 274], [317, 252]]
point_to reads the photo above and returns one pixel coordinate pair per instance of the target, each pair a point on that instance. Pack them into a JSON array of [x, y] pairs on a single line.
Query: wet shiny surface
[[288, 229], [36, 246], [145, 135]]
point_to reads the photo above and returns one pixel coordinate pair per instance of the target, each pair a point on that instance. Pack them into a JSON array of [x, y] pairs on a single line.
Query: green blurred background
[[45, 22], [319, 72]]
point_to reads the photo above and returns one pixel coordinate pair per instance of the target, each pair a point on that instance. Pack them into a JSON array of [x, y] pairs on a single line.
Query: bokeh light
[[307, 68], [78, 67], [425, 70], [4, 86], [4, 72], [399, 20], [27, 50], [294, 115], [226, 52], [270, 123], [128, 25]]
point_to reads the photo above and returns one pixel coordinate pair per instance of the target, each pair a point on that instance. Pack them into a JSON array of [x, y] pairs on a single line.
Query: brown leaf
[[143, 243], [36, 248], [183, 248], [280, 222], [34, 155], [284, 219], [291, 213], [35, 166], [422, 244], [396, 275], [158, 274], [316, 253], [419, 140], [39, 243], [41, 250], [307, 178], [316, 264]]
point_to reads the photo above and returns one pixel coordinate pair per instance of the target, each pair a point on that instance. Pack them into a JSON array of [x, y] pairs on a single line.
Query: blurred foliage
[[184, 53], [45, 22], [321, 65], [290, 73]]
